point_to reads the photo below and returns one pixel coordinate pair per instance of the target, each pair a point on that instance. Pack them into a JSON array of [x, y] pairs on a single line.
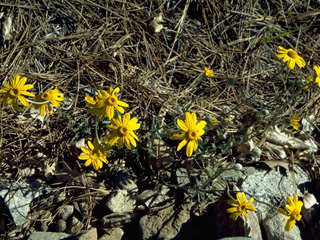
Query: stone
[[152, 198], [164, 222], [65, 211], [61, 225], [274, 228], [124, 182], [116, 219], [48, 236], [112, 234], [267, 185], [46, 219], [119, 201], [74, 225], [182, 177], [237, 238], [90, 234], [18, 195]]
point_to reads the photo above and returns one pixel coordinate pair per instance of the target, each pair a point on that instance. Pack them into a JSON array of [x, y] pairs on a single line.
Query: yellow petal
[[232, 210], [182, 144], [190, 148], [83, 157], [23, 100], [126, 118], [289, 224], [90, 145], [88, 162], [182, 125]]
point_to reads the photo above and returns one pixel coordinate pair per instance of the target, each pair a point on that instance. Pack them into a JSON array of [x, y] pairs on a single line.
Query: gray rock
[[124, 182], [18, 195], [120, 201], [152, 198], [268, 185], [116, 219], [274, 228], [91, 234], [74, 225], [47, 236], [112, 234], [164, 222], [61, 225], [65, 211], [182, 177], [46, 219]]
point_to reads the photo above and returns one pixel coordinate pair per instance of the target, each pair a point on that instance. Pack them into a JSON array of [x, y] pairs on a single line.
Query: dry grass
[[82, 45]]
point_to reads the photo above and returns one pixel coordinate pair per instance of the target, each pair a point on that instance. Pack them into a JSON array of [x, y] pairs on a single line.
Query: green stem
[[96, 130], [37, 103]]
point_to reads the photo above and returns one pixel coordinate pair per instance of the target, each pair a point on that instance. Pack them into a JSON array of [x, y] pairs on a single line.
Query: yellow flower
[[122, 131], [105, 103], [293, 209], [96, 154], [240, 206], [209, 72], [14, 90], [291, 57], [294, 122], [317, 78], [214, 121], [191, 133], [52, 96]]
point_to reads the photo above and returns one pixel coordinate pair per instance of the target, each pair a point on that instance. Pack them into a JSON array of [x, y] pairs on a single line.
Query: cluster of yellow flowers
[[122, 128], [241, 206], [16, 90]]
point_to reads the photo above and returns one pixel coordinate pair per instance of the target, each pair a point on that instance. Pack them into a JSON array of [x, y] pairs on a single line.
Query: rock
[[61, 225], [226, 227], [182, 177], [74, 225], [84, 207], [65, 211], [164, 222], [151, 198], [116, 219], [90, 234], [119, 201], [274, 228], [112, 234], [124, 182], [18, 195], [268, 185], [47, 236]]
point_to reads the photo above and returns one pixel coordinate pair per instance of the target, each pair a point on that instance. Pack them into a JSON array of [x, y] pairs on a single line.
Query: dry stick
[[275, 75]]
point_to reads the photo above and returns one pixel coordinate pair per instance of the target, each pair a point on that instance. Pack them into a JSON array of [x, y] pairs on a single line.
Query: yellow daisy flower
[[294, 122], [122, 131], [96, 155], [214, 121], [293, 209], [105, 102], [209, 72], [15, 90], [52, 96], [291, 57], [191, 133], [240, 206], [317, 78]]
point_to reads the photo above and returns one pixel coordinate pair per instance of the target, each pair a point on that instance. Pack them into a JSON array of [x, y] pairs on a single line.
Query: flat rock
[[124, 182], [47, 236], [268, 185], [116, 219], [120, 201], [164, 222], [112, 234], [90, 234], [274, 228], [65, 211], [18, 195]]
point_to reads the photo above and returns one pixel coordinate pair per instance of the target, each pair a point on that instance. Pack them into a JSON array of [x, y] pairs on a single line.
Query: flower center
[[295, 214], [242, 207], [46, 96], [15, 92], [293, 54], [123, 130], [112, 100], [192, 134]]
